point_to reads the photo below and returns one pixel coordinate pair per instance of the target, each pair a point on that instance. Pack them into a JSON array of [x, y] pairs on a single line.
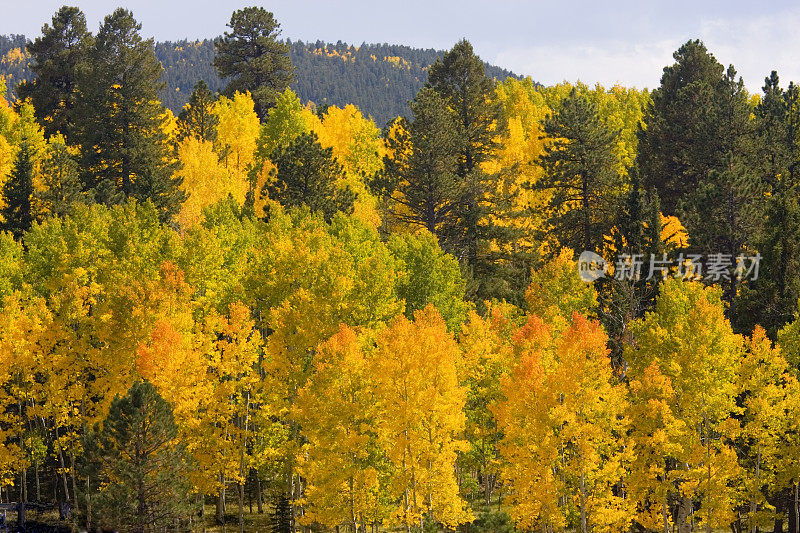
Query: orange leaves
[[562, 421], [156, 358]]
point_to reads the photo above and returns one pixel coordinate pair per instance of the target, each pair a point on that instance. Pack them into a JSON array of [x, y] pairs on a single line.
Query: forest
[[379, 79], [266, 313]]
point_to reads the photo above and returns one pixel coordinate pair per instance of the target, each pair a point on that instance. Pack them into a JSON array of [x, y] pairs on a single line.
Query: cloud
[[608, 63], [755, 45]]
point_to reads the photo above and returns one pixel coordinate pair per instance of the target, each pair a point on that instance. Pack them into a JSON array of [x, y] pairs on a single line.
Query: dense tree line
[[261, 301], [378, 78]]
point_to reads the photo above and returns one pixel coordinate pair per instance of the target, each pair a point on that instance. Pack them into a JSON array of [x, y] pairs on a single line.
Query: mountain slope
[[378, 78]]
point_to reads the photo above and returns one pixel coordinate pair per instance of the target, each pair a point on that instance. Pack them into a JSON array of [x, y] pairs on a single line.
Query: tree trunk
[[73, 476], [684, 507], [240, 490], [221, 505], [753, 502], [22, 482], [63, 471], [259, 497], [665, 514], [88, 505], [584, 525], [38, 485]]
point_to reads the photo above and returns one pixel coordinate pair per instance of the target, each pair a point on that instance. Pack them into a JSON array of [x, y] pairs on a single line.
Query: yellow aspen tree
[[487, 359], [689, 339], [24, 321], [655, 440], [529, 447], [237, 131], [205, 180], [556, 291], [516, 163], [591, 428], [765, 386], [421, 417], [564, 429], [357, 145], [340, 459]]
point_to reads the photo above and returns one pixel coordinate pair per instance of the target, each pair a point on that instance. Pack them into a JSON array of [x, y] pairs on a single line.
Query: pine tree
[[580, 169], [56, 57], [197, 117], [281, 519], [123, 146], [460, 77], [17, 216], [306, 173], [683, 138], [421, 169], [771, 300], [142, 464], [253, 58], [723, 212]]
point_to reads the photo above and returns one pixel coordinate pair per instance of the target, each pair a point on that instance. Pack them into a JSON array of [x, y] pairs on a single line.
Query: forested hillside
[[379, 79]]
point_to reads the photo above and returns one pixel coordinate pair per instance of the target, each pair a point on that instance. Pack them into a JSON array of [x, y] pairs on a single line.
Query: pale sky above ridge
[[627, 42]]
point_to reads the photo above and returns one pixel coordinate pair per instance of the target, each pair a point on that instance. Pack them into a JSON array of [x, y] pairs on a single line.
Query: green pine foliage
[[119, 120], [424, 169], [380, 79], [142, 466], [252, 58], [17, 216], [56, 57], [579, 169], [308, 174], [197, 118]]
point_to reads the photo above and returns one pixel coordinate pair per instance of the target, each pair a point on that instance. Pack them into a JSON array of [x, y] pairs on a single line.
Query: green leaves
[[429, 276], [308, 174]]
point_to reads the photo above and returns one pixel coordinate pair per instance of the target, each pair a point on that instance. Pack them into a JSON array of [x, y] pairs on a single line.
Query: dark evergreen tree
[[197, 117], [308, 174], [722, 212], [141, 464], [123, 145], [580, 169], [771, 300], [684, 137], [253, 58], [17, 216], [630, 293], [421, 175], [55, 59], [460, 77], [281, 519]]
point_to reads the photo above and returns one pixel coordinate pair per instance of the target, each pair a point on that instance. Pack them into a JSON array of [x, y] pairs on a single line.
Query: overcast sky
[[628, 42]]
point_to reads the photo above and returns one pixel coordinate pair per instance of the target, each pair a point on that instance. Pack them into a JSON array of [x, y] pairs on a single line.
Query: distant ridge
[[378, 78]]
